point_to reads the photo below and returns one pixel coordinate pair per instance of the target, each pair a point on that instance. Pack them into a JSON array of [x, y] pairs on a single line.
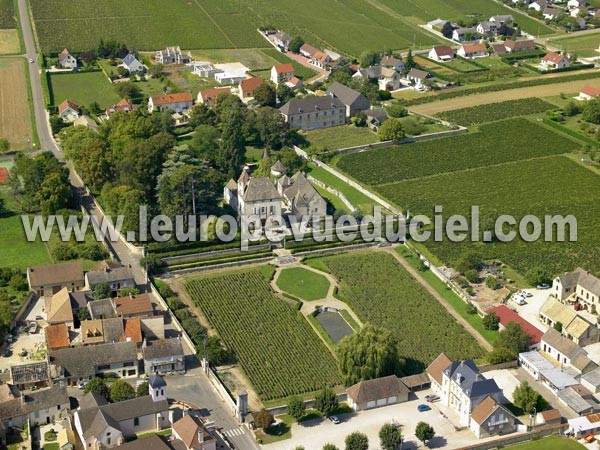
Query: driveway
[[530, 311]]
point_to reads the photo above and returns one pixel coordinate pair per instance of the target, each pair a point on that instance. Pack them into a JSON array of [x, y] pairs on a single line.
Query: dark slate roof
[[46, 398], [162, 348], [470, 380], [109, 276], [79, 299], [91, 400], [418, 73], [150, 443], [113, 329], [310, 104], [136, 407], [82, 361], [156, 381], [260, 189], [102, 309], [348, 96]]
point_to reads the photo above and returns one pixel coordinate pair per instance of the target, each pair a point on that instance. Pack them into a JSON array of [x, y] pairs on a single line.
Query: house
[[295, 83], [552, 13], [100, 424], [441, 53], [57, 336], [579, 288], [41, 407], [490, 418], [505, 19], [315, 56], [134, 305], [124, 105], [311, 113], [389, 80], [209, 96], [66, 60], [499, 49], [519, 46], [377, 392], [462, 387], [435, 371], [554, 60], [538, 5], [506, 316], [282, 73], [248, 86], [560, 348], [376, 117], [86, 121], [550, 417], [77, 364], [580, 427], [540, 368], [282, 39], [131, 63], [461, 34], [418, 77], [47, 280], [30, 376], [231, 73], [588, 93], [354, 101], [58, 309], [488, 28], [117, 279], [173, 55], [193, 434], [177, 103], [371, 73], [257, 197], [205, 70], [471, 51], [163, 356], [302, 199], [68, 111], [572, 4], [573, 325], [390, 62]]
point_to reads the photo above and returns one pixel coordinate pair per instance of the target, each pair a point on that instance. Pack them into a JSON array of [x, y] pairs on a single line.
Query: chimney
[[200, 435]]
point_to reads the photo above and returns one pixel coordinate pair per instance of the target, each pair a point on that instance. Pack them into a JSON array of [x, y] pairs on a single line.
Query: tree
[[492, 282], [295, 407], [447, 30], [127, 90], [83, 314], [528, 399], [101, 290], [121, 390], [591, 111], [472, 276], [491, 321], [122, 71], [369, 59], [142, 389], [537, 275], [396, 110], [572, 108], [329, 446], [357, 441], [216, 353], [390, 436], [424, 432], [558, 326], [284, 93], [54, 193], [4, 145], [263, 419], [410, 61], [265, 94], [370, 353], [326, 401], [202, 115], [391, 130], [204, 141], [295, 44], [272, 128], [230, 156], [510, 342], [155, 70], [97, 386]]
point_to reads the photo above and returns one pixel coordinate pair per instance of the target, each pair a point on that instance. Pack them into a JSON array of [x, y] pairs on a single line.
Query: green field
[[82, 88], [495, 111], [274, 344], [519, 140], [584, 45], [7, 14], [380, 291], [303, 283], [549, 443], [335, 138]]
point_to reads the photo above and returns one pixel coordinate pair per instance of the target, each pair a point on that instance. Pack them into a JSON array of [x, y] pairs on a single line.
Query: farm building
[[519, 46], [575, 326], [507, 315], [378, 392]]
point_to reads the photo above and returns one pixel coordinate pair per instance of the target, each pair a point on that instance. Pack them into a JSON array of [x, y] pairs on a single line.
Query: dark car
[[423, 407]]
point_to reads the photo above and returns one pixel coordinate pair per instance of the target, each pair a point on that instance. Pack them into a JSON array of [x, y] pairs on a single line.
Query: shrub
[[491, 321]]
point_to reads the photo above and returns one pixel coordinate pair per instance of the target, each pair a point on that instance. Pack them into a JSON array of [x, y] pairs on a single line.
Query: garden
[[303, 283]]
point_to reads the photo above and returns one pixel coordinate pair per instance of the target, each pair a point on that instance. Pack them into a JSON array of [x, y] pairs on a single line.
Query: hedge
[[570, 132]]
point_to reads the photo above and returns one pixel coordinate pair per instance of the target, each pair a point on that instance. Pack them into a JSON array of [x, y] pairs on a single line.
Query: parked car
[[527, 294], [33, 328], [6, 352], [543, 286], [39, 318], [423, 407], [82, 385], [431, 398], [335, 419], [23, 353]]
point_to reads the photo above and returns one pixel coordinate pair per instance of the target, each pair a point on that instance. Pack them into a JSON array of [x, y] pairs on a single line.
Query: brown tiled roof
[[518, 45], [57, 336], [376, 389], [92, 331], [591, 91], [551, 414], [474, 48], [172, 98], [188, 428], [59, 307], [133, 330], [53, 274], [67, 104], [443, 50], [212, 93], [438, 365], [134, 305], [284, 68], [250, 84], [484, 410]]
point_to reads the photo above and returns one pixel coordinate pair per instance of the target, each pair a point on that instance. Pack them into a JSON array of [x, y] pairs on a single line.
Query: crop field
[[83, 88], [495, 111], [15, 118], [382, 292], [584, 45], [456, 10], [335, 138], [9, 42], [552, 185], [518, 139], [274, 344], [7, 14]]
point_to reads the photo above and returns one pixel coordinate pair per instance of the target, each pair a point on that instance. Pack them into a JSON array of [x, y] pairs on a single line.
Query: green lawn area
[[186, 81], [584, 45], [549, 443], [340, 137], [51, 446], [278, 432], [82, 88], [303, 283], [334, 201]]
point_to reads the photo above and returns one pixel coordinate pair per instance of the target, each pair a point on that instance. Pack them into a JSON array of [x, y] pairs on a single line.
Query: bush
[[472, 275], [492, 282], [295, 407], [491, 322], [471, 309], [263, 419]]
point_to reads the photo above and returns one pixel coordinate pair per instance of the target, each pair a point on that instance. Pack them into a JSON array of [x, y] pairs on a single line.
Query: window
[[162, 392], [136, 422], [128, 364], [104, 367]]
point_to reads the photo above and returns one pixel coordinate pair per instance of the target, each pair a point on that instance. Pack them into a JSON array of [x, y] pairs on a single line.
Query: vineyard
[[274, 344], [495, 143], [553, 185], [495, 111], [381, 291], [7, 14]]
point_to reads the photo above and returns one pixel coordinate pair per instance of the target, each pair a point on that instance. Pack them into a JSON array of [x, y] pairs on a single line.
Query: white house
[[68, 111], [538, 5], [38, 407], [588, 93], [560, 348], [552, 13], [579, 288], [463, 34], [418, 77], [131, 63], [392, 63], [257, 197], [282, 73], [205, 70], [471, 51], [177, 103], [441, 53], [554, 60], [66, 60]]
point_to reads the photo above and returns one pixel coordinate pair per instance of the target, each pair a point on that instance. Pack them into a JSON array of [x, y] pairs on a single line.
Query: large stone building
[[163, 356], [579, 288], [47, 280], [312, 113]]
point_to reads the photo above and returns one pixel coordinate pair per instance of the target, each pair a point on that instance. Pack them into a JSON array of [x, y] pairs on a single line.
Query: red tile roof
[[250, 84], [210, 95], [284, 68], [172, 98], [443, 50], [133, 330], [474, 48], [507, 316], [67, 104], [137, 304], [591, 91], [553, 57], [57, 336]]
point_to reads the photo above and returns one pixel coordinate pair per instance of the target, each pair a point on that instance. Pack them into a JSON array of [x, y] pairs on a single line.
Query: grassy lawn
[[549, 443], [51, 446], [303, 283], [186, 81], [282, 430], [83, 88], [341, 137], [584, 45], [334, 202], [254, 154], [358, 199], [151, 87], [454, 300]]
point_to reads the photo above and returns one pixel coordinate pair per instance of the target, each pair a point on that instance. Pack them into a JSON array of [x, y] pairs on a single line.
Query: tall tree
[[295, 44], [295, 407], [326, 401], [204, 142], [528, 399], [265, 94], [357, 441], [97, 386], [369, 59], [272, 128], [447, 30], [230, 156], [284, 93], [510, 342], [390, 436], [121, 390], [424, 432]]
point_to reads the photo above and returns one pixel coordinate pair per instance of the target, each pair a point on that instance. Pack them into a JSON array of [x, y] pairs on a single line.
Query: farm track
[[480, 339]]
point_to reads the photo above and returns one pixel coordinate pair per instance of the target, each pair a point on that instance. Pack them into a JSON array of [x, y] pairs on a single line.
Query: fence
[[24, 308], [506, 365], [222, 390], [223, 265], [282, 409], [341, 248], [334, 191], [212, 253], [542, 431]]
